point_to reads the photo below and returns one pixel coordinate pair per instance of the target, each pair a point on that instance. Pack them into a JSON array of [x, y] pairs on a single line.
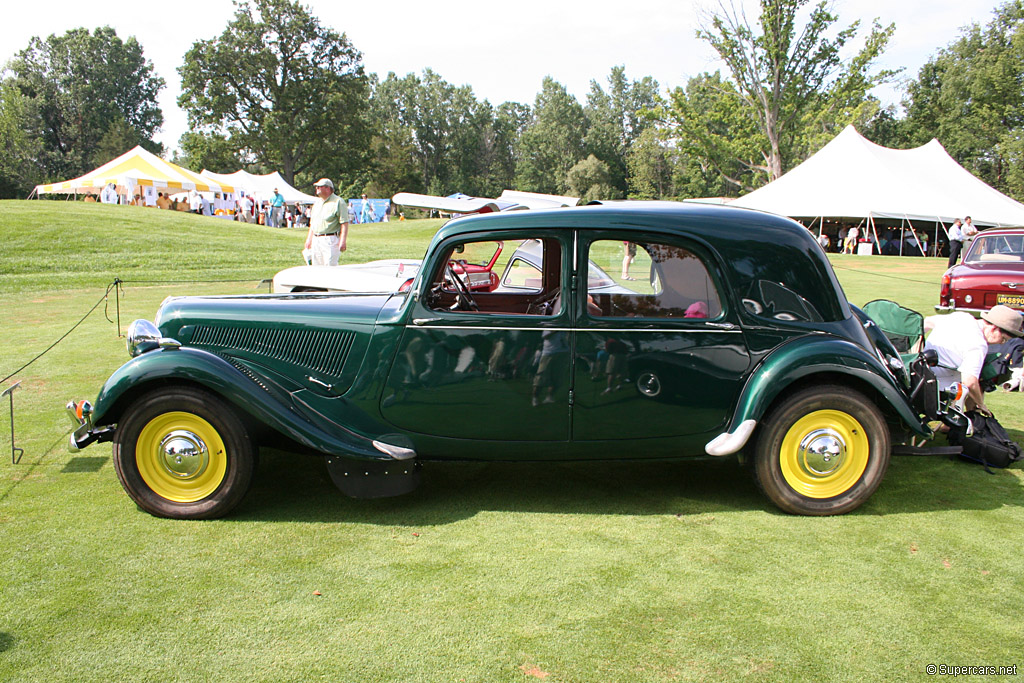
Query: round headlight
[[141, 331]]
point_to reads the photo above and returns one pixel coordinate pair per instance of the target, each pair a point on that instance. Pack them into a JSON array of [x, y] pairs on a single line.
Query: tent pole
[[914, 233]]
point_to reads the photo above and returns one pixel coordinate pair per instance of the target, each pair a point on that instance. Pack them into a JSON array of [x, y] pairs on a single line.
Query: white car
[[522, 271], [390, 275]]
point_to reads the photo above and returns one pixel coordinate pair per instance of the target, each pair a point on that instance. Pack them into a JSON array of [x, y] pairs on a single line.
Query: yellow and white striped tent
[[135, 168]]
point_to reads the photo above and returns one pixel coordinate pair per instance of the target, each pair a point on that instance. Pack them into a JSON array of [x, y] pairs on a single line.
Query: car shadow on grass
[[290, 487]]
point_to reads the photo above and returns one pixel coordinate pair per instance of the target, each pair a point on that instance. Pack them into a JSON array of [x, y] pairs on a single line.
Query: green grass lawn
[[489, 572]]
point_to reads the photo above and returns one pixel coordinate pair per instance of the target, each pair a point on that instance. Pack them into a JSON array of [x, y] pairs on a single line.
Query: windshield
[[997, 248]]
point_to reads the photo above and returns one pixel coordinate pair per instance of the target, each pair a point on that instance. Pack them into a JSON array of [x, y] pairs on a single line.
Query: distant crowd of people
[[901, 241], [274, 212]]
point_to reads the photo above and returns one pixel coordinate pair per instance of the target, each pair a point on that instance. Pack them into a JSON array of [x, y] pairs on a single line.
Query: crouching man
[[962, 342]]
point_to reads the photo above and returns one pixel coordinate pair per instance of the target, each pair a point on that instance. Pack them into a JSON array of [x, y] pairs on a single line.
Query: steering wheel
[[463, 297]]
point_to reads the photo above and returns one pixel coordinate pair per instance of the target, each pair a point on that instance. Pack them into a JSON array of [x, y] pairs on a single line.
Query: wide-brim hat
[[324, 182], [1006, 319]]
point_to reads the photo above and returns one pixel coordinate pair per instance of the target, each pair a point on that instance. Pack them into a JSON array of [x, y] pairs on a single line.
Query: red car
[[992, 273]]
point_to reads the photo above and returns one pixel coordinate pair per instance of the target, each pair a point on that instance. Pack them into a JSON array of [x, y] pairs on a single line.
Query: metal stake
[[9, 391]]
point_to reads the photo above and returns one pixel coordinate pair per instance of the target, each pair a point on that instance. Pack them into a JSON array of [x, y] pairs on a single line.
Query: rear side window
[[649, 280]]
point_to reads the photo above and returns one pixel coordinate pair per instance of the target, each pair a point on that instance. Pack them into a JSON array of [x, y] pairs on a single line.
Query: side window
[[775, 300], [510, 277], [649, 280]]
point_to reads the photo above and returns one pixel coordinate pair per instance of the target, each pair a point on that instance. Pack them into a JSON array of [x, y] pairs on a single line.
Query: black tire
[[163, 468], [822, 451]]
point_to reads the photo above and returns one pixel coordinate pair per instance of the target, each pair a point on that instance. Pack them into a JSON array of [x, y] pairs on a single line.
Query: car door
[[487, 365], [658, 350]]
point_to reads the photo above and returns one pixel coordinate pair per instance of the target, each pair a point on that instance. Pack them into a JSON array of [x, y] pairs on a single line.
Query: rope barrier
[[63, 336], [117, 286]]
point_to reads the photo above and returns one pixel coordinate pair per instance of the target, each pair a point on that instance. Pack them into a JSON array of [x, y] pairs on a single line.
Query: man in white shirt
[[956, 243], [962, 343]]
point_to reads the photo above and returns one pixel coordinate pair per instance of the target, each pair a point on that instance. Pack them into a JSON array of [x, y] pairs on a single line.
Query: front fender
[[804, 357], [199, 367]]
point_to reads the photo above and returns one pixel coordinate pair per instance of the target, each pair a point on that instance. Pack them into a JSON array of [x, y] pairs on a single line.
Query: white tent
[[852, 177], [261, 187]]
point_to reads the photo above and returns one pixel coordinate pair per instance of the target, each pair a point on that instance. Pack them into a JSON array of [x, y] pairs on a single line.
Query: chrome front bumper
[[85, 434]]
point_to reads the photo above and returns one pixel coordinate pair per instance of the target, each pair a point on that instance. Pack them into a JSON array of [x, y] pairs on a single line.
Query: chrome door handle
[[424, 321], [721, 326]]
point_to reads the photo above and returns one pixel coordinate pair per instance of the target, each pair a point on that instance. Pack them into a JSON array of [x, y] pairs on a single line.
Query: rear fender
[[803, 358], [194, 366]]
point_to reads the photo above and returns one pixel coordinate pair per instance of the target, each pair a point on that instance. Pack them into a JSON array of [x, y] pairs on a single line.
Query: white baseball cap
[[324, 182]]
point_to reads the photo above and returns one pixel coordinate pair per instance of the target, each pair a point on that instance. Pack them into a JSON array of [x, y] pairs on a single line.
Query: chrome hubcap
[[183, 454], [649, 384], [822, 452]]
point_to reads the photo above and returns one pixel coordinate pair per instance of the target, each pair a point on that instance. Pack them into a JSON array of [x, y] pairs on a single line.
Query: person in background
[[970, 231], [276, 209], [245, 207], [629, 253], [850, 246], [109, 194], [162, 201], [328, 225], [962, 342], [90, 199], [956, 243], [366, 214]]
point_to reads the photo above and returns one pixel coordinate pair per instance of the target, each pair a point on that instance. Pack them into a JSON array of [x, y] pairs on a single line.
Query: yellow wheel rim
[[824, 454], [181, 457]]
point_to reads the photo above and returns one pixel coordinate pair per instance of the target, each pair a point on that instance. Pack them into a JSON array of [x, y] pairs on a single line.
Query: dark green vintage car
[[705, 331]]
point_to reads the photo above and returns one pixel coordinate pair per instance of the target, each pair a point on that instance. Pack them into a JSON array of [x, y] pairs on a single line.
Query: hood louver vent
[[320, 351]]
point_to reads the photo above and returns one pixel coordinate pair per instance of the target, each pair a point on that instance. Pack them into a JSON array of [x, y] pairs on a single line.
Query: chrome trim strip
[[727, 444], [572, 329]]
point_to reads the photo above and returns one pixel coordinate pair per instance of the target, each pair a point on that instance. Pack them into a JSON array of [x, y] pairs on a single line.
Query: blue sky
[[503, 50]]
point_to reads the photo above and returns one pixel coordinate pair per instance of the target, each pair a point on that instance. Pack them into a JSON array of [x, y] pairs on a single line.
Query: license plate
[[1010, 299]]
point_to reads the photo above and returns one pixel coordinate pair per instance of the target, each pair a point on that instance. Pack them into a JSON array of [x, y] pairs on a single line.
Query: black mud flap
[[374, 478]]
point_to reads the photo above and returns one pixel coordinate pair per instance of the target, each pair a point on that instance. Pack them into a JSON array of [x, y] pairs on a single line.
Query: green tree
[[456, 142], [649, 164], [616, 118], [970, 97], [715, 135], [19, 149], [552, 142], [283, 87], [791, 80], [590, 180], [209, 151], [82, 89]]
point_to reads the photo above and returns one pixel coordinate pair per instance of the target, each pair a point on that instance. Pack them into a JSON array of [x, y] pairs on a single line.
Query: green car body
[[547, 368]]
